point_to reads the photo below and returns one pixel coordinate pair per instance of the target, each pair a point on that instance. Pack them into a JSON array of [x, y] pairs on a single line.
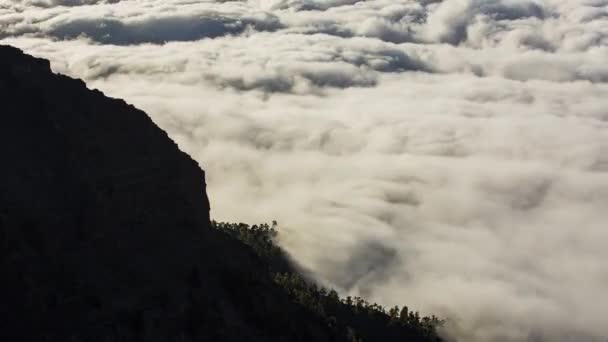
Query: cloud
[[449, 23], [121, 24], [54, 3], [448, 155]]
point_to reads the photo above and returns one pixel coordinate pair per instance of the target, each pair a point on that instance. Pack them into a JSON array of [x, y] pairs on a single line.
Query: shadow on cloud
[[161, 30]]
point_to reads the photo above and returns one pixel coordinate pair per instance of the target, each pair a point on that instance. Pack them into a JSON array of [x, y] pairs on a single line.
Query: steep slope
[[104, 227], [105, 233]]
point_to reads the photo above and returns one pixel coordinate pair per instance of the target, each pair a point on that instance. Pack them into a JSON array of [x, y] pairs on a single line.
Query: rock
[[104, 228]]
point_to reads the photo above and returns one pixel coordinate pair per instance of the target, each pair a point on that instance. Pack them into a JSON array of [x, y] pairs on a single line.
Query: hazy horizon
[[449, 155]]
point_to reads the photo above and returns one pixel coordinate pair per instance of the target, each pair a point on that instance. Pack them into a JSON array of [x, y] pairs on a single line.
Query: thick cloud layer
[[449, 155]]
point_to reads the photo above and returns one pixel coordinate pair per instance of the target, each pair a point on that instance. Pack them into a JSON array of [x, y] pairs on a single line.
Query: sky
[[448, 155]]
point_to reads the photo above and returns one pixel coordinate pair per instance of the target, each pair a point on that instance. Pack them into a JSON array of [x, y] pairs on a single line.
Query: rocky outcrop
[[104, 228]]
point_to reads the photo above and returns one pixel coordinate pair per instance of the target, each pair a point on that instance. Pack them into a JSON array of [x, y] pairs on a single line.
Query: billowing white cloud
[[449, 155]]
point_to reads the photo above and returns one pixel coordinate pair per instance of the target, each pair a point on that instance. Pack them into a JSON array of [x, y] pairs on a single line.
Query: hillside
[[105, 234]]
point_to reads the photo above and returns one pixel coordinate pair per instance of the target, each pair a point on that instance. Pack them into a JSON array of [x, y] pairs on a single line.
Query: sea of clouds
[[449, 155]]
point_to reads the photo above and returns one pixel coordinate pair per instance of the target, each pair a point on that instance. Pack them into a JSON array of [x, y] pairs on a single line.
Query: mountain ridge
[[105, 232]]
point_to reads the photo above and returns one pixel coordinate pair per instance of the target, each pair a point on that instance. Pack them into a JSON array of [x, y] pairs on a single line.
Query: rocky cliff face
[[104, 228]]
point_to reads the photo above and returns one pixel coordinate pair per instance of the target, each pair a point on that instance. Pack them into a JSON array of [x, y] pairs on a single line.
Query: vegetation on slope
[[352, 318]]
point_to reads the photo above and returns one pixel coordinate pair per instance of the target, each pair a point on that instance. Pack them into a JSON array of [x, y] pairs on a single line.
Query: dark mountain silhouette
[[105, 231]]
